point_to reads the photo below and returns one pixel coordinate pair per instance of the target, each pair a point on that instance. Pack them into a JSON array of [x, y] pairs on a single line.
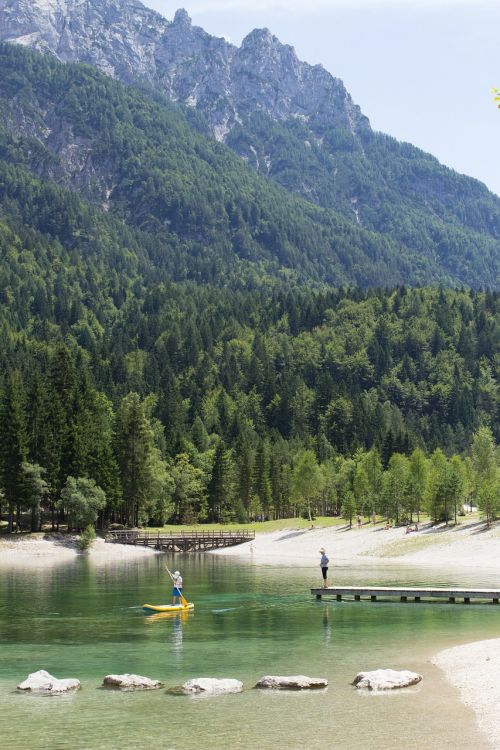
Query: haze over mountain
[[292, 122]]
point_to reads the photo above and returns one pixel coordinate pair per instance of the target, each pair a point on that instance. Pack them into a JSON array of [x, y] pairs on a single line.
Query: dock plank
[[405, 593]]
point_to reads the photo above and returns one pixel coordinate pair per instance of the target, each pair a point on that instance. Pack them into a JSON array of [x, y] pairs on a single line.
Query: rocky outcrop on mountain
[[133, 43], [292, 122]]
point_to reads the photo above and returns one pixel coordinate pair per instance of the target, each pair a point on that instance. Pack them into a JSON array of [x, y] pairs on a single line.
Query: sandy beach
[[468, 543], [473, 670]]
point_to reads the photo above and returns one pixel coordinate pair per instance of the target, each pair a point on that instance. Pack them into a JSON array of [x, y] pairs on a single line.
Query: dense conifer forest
[[202, 404], [172, 349]]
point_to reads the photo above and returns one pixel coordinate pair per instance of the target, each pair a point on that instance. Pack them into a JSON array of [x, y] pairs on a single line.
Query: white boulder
[[386, 679], [130, 682], [43, 682], [212, 686], [293, 682]]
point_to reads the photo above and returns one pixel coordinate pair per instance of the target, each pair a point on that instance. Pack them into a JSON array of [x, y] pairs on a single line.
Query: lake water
[[79, 620]]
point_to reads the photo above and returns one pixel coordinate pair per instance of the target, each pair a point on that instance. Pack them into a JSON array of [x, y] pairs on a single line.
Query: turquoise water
[[81, 620]]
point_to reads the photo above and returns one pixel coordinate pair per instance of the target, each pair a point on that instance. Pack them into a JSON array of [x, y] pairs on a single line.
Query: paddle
[[184, 601]]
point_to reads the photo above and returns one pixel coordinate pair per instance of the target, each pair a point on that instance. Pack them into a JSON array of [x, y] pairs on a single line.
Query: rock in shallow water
[[43, 682], [293, 682], [130, 682], [212, 685], [386, 679]]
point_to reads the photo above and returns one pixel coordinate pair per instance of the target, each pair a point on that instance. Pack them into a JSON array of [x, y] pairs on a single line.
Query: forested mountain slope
[[207, 214], [294, 123]]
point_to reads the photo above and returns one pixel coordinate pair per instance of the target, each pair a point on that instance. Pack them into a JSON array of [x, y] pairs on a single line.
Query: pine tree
[[12, 444]]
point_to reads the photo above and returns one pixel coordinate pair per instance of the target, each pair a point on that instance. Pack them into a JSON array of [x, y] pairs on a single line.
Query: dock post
[[373, 598], [318, 596], [495, 601], [339, 597], [451, 600], [466, 600], [357, 598], [404, 598], [417, 598]]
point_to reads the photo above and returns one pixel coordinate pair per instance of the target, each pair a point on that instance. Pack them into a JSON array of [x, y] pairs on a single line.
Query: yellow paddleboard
[[167, 607]]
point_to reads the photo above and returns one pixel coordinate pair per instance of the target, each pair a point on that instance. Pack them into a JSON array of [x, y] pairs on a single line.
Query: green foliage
[[36, 492], [307, 481], [486, 479], [82, 500], [175, 341], [178, 203], [87, 538]]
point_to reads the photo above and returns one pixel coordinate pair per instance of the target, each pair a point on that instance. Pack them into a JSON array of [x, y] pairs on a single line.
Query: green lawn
[[261, 527]]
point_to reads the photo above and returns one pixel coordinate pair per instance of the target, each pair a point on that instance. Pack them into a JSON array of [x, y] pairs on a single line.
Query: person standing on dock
[[324, 566], [177, 590]]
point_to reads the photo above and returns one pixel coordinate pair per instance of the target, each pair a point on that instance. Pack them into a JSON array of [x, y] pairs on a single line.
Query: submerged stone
[[130, 682], [43, 682], [293, 682], [386, 679], [212, 685]]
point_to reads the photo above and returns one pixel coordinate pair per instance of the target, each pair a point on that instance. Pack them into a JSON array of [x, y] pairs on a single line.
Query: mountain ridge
[[169, 54], [293, 123]]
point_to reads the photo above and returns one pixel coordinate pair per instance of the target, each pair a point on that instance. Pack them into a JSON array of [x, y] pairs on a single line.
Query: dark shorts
[[176, 592], [325, 572]]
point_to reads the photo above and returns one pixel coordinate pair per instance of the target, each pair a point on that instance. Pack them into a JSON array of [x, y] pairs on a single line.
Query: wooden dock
[[181, 541], [405, 594]]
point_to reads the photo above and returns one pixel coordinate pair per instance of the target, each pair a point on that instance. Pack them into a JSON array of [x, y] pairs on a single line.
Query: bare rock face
[[386, 679], [130, 42], [293, 682], [210, 685], [43, 682], [130, 682]]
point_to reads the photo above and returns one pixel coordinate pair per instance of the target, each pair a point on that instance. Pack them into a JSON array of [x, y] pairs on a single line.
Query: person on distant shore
[[177, 590], [359, 520], [324, 567]]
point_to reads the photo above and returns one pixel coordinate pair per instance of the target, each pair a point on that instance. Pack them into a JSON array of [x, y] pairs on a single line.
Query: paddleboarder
[[177, 589]]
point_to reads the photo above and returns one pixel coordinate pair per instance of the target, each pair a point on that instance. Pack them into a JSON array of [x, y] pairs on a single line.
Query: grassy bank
[[260, 527]]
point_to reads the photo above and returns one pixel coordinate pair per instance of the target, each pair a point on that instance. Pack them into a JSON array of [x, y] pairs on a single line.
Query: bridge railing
[[137, 535]]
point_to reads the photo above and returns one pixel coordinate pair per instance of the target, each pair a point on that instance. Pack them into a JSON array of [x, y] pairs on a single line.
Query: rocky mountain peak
[[182, 18], [260, 37], [133, 43]]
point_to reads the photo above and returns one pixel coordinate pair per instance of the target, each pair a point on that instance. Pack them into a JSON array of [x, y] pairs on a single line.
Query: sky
[[421, 70]]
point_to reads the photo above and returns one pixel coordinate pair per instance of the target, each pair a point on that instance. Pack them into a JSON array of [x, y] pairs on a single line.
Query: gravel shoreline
[[473, 670], [467, 544], [44, 550]]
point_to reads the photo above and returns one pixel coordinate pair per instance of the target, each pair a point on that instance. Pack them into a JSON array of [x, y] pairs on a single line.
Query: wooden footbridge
[[181, 541], [374, 593]]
